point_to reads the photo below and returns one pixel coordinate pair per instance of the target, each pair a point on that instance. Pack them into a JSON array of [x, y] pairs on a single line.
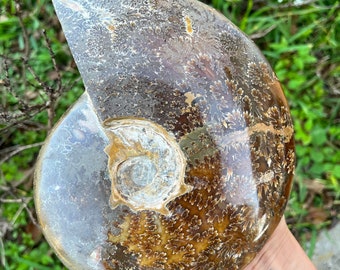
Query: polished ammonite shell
[[180, 153]]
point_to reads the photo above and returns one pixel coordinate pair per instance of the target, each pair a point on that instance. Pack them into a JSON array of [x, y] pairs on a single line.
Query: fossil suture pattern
[[180, 153]]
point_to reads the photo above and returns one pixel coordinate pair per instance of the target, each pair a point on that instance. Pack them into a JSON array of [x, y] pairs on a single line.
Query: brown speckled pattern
[[186, 68]]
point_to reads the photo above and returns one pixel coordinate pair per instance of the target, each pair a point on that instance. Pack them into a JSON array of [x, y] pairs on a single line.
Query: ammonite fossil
[[180, 153]]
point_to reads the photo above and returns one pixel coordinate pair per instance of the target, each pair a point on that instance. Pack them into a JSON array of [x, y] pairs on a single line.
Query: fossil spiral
[[180, 153]]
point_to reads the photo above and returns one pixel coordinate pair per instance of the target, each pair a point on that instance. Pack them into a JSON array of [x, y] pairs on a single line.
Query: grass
[[39, 80]]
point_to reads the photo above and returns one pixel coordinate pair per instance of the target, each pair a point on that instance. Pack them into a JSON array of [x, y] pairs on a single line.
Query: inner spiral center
[[139, 171], [146, 165]]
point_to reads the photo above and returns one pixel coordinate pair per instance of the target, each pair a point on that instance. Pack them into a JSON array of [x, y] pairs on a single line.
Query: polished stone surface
[[191, 80]]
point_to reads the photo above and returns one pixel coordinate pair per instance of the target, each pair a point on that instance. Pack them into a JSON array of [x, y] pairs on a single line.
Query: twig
[[263, 33], [26, 176], [28, 199], [24, 201], [18, 213], [4, 188], [24, 111], [56, 68], [12, 119], [16, 115], [36, 77], [2, 252], [7, 82], [52, 95], [23, 28], [25, 37], [19, 149]]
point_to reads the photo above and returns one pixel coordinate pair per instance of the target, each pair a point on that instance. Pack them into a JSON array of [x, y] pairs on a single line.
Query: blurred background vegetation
[[39, 81]]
